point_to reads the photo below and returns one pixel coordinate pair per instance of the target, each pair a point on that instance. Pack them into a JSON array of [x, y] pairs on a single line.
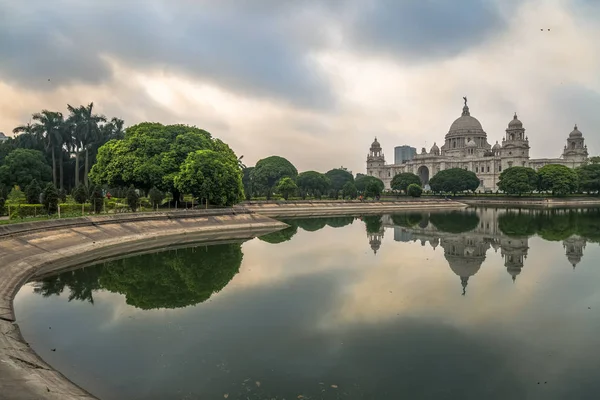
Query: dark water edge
[[481, 303]]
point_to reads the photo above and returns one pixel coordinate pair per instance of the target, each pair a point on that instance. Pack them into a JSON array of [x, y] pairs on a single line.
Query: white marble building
[[466, 146]]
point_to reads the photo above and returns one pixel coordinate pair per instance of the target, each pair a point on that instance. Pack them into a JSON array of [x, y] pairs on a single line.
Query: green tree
[[362, 181], [247, 182], [349, 190], [313, 182], [151, 155], [48, 129], [80, 194], [87, 131], [51, 198], [156, 197], [414, 190], [407, 220], [132, 198], [589, 178], [373, 189], [518, 180], [404, 180], [2, 206], [594, 160], [213, 176], [32, 192], [454, 180], [558, 179], [286, 187], [97, 198], [269, 171], [16, 196], [311, 224], [339, 222], [338, 178], [21, 166]]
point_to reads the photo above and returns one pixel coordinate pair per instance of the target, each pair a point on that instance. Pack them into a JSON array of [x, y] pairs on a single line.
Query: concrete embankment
[[332, 208], [537, 202], [33, 249]]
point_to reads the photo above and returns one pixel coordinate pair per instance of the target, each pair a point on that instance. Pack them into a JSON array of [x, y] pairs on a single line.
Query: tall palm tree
[[48, 129], [89, 133], [76, 121]]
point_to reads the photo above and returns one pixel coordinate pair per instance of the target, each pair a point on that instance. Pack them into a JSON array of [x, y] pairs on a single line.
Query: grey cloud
[[247, 49], [423, 29], [580, 105]]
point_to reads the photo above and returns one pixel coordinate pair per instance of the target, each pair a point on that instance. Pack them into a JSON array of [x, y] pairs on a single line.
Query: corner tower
[[575, 151], [515, 145], [375, 160]]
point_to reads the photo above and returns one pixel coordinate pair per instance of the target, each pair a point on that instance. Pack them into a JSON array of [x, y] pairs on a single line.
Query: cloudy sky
[[313, 81]]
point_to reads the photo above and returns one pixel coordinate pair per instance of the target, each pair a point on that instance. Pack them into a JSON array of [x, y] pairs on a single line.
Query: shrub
[[132, 198], [62, 195], [51, 199], [2, 207], [16, 196], [32, 192], [414, 190], [26, 211], [156, 197], [79, 194], [97, 199]]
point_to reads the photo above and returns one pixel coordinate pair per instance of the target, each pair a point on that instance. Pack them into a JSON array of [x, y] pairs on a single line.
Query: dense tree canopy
[[373, 223], [403, 180], [518, 180], [338, 178], [268, 171], [212, 175], [286, 187], [362, 181], [349, 190], [454, 180], [407, 220], [313, 182], [589, 178], [151, 155], [558, 179], [21, 166], [168, 279]]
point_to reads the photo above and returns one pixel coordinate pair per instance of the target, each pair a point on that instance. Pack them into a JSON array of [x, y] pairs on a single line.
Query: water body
[[476, 304]]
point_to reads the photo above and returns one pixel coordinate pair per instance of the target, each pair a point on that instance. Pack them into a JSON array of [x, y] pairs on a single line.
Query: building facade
[[466, 146]]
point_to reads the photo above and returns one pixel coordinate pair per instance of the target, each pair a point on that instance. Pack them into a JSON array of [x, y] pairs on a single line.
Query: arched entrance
[[423, 173]]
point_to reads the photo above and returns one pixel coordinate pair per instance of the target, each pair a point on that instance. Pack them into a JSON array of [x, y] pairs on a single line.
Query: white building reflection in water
[[466, 251]]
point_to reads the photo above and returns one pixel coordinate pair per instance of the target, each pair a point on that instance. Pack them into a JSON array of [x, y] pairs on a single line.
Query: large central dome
[[466, 125]]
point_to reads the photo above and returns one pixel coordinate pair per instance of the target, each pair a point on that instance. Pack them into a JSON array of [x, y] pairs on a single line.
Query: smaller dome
[[575, 133], [471, 143], [434, 148], [375, 143], [423, 150], [515, 123], [497, 146]]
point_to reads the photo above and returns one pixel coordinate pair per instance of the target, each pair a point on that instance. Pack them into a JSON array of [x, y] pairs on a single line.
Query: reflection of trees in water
[[339, 222], [168, 279], [373, 223], [408, 220], [455, 221], [280, 236], [311, 224], [553, 225]]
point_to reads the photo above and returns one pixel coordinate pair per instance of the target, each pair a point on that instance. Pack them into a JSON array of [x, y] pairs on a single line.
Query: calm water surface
[[478, 304]]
